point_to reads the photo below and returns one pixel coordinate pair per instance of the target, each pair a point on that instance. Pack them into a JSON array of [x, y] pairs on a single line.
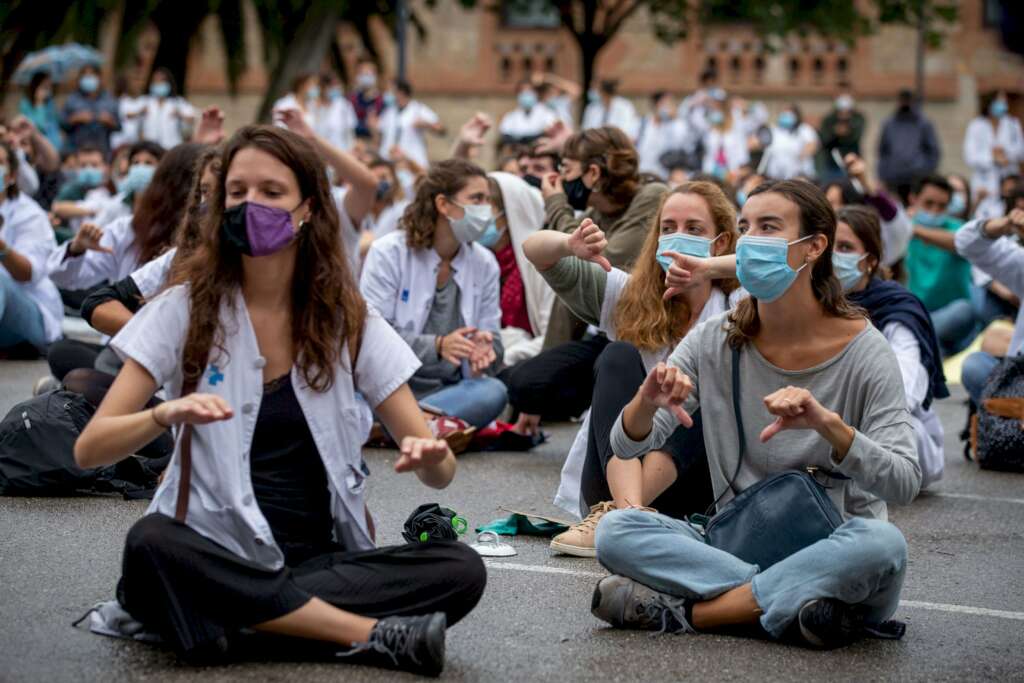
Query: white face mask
[[473, 223]]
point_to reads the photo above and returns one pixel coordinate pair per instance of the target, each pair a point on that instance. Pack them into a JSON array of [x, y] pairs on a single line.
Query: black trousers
[[196, 593], [618, 374], [556, 384], [66, 355]]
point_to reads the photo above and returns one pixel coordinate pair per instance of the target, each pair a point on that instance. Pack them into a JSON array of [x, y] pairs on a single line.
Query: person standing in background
[[90, 113], [337, 120], [528, 121], [37, 106], [908, 147], [367, 100], [664, 137], [166, 116], [130, 105], [993, 144], [403, 124], [841, 130], [606, 108]]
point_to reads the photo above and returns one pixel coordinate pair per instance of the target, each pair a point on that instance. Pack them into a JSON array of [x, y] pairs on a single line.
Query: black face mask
[[577, 193], [383, 189], [532, 180]]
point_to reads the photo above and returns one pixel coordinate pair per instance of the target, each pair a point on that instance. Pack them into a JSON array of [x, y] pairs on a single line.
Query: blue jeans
[[955, 326], [478, 400], [988, 307], [20, 317], [862, 563], [975, 371]]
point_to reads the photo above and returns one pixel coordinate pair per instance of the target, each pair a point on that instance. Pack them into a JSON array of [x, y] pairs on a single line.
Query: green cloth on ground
[[937, 277], [520, 525]]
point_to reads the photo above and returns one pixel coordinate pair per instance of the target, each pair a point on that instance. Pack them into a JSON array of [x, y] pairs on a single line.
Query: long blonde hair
[[641, 317]]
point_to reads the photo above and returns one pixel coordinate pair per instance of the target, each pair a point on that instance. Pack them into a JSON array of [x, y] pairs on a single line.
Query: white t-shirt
[[398, 128], [336, 122], [25, 228], [784, 158], [131, 128], [620, 113]]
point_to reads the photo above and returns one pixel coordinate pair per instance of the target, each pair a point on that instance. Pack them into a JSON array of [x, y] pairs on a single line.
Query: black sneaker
[[625, 603], [827, 623], [413, 644]]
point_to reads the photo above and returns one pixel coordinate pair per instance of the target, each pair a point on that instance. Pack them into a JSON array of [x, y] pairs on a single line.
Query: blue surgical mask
[[930, 220], [492, 234], [847, 269], [89, 83], [160, 89], [787, 120], [473, 223], [3, 177], [334, 93], [681, 243], [389, 99], [313, 94], [741, 197], [716, 118], [527, 100], [762, 266], [957, 204], [138, 178], [998, 108], [89, 176], [593, 96]]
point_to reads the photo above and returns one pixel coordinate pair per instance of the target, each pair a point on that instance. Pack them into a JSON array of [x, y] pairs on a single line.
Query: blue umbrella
[[57, 61]]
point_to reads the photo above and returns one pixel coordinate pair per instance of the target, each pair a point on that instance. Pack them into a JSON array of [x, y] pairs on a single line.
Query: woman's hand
[[418, 452], [196, 409], [667, 387], [550, 185], [457, 345], [588, 243], [87, 239], [210, 130], [295, 121], [483, 352], [1009, 224], [684, 272]]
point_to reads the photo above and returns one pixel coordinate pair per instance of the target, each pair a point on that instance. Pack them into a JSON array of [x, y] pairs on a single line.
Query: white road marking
[[975, 496], [909, 604]]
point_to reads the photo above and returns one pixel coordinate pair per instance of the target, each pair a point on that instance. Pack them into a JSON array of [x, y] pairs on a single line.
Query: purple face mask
[[257, 230]]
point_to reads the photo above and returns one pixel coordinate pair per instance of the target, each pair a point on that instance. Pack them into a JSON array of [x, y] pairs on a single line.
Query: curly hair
[[641, 317], [816, 217], [327, 310], [189, 234], [610, 149], [445, 178]]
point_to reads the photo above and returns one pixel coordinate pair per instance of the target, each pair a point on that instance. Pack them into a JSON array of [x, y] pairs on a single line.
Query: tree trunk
[[304, 52], [590, 48], [178, 23]]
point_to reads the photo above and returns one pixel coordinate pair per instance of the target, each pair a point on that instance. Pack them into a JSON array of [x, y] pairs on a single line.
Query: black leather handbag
[[777, 516]]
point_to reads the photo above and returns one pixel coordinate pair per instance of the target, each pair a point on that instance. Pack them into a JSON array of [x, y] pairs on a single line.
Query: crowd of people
[[718, 295]]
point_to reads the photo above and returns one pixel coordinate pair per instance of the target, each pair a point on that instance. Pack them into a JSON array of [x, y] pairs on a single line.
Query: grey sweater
[[862, 384]]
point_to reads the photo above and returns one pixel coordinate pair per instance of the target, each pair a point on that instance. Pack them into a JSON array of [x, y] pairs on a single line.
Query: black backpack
[[37, 440], [1000, 418]]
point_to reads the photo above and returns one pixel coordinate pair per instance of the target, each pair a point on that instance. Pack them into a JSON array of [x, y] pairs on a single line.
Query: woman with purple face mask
[[267, 342]]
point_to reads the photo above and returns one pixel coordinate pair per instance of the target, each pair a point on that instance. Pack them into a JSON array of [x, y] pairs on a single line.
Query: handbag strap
[[185, 459]]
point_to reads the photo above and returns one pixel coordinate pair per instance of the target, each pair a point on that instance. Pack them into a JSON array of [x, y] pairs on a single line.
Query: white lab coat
[[561, 105], [96, 200], [26, 229], [164, 120], [349, 233], [1002, 260], [223, 506], [731, 143], [620, 113], [335, 122], [94, 267], [784, 157], [568, 495], [657, 137], [524, 213], [400, 282], [131, 125], [927, 426], [398, 127], [520, 123], [114, 207], [386, 221], [980, 138], [151, 277]]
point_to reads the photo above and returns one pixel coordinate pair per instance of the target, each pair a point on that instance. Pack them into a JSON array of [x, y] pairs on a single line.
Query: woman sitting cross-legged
[[820, 387], [266, 328], [645, 317]]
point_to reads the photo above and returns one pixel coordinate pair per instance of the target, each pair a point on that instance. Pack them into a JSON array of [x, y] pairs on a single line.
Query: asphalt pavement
[[963, 598]]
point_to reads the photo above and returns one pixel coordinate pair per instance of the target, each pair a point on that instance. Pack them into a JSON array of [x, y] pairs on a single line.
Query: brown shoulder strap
[[185, 460]]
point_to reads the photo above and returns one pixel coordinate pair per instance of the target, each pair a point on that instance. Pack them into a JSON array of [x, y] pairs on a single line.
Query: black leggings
[[66, 355], [196, 593], [556, 384], [618, 374]]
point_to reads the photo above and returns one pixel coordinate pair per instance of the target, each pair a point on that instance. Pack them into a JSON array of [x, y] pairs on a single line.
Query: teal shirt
[[936, 276]]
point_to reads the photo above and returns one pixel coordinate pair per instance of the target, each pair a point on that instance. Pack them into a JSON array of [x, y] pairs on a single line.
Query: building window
[[531, 14]]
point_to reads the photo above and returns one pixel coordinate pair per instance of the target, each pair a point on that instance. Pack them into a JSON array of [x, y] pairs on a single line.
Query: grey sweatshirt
[[862, 384]]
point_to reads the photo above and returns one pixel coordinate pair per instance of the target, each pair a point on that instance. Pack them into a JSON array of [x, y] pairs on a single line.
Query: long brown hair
[[189, 234], [868, 229], [327, 310], [163, 202], [447, 177], [610, 149], [641, 317], [816, 217]]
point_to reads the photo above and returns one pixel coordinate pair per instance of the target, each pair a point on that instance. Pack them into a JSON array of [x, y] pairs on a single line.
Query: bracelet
[[438, 343], [152, 413]]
